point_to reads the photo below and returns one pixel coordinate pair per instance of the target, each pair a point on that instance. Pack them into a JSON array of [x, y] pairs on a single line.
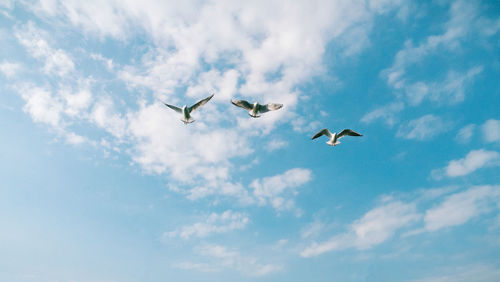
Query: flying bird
[[333, 141], [186, 111], [255, 109]]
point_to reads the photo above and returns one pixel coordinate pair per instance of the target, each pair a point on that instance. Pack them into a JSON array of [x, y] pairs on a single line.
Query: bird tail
[[187, 121]]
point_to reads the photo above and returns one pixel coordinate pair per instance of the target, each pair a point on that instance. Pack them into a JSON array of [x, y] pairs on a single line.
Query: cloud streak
[[474, 160], [423, 128], [277, 190], [214, 224], [460, 207], [56, 61], [375, 227], [394, 215], [220, 257]]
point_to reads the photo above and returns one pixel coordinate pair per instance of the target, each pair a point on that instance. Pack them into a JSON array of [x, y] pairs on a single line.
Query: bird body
[[334, 137], [186, 117], [255, 109], [186, 111]]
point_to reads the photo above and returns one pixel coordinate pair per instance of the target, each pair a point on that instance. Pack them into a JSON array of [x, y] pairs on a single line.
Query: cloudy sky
[[99, 181]]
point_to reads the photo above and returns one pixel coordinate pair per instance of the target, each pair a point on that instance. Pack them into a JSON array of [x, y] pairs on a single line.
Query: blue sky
[[101, 182]]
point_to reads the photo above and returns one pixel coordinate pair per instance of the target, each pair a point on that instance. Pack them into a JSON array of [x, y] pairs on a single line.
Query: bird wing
[[200, 103], [324, 131], [269, 107], [348, 132], [173, 107], [242, 104]]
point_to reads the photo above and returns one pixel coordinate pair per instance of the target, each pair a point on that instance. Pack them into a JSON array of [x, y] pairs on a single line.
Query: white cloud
[[220, 258], [435, 193], [256, 49], [386, 113], [196, 156], [276, 144], [43, 106], [163, 144], [57, 61], [214, 223], [77, 101], [302, 125], [9, 69], [381, 223], [6, 3], [465, 133], [104, 115], [491, 130], [221, 188], [450, 91], [464, 21], [203, 267], [58, 109], [423, 128], [313, 229], [461, 207], [223, 83], [278, 190], [463, 15], [375, 227], [75, 139], [54, 109], [107, 62], [473, 161], [450, 208]]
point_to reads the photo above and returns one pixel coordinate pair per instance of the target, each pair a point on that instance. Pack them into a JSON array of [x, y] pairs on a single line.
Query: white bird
[[256, 108], [186, 111], [333, 141]]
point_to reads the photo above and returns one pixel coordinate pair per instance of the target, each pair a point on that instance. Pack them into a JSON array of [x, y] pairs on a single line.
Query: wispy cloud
[[464, 20], [385, 113], [258, 50], [278, 190], [465, 133], [450, 91], [423, 128], [461, 207], [276, 144], [105, 116], [106, 61], [375, 227], [407, 212], [9, 69], [491, 130], [463, 17], [220, 258], [43, 106], [56, 61], [312, 229], [201, 156], [53, 109], [214, 224], [474, 160], [75, 139]]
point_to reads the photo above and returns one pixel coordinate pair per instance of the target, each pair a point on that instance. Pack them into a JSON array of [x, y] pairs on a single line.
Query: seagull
[[335, 137], [256, 108], [186, 111]]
